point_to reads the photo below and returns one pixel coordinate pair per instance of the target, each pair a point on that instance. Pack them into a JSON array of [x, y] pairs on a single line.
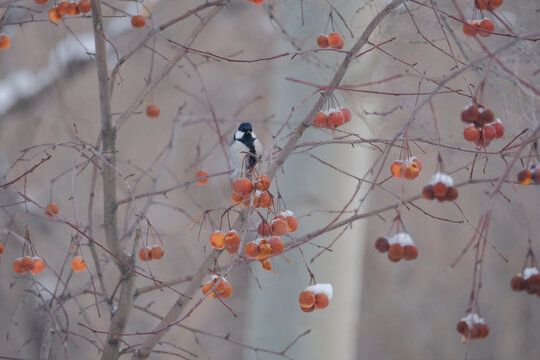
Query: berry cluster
[[223, 289], [283, 223], [487, 4], [400, 246], [262, 248], [332, 118], [66, 8], [333, 40], [472, 327], [483, 126], [482, 27], [441, 187], [25, 264], [148, 253], [529, 281], [5, 42], [409, 169], [315, 297], [528, 175], [230, 240]]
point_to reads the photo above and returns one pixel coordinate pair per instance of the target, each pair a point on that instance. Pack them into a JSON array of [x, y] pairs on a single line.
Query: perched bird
[[245, 149]]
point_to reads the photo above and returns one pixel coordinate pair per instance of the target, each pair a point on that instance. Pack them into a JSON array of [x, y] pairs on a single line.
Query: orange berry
[[533, 283], [152, 110], [5, 42], [84, 6], [321, 301], [418, 163], [243, 186], [220, 287], [524, 177], [251, 250], [489, 132], [1, 248], [27, 263], [232, 239], [471, 133], [292, 223], [156, 252], [469, 28], [39, 265], [321, 120], [41, 1], [51, 210], [265, 250], [306, 299], [481, 4], [396, 168], [264, 229], [335, 41], [347, 115], [73, 9], [395, 252], [335, 119], [138, 21], [307, 310], [17, 266], [276, 244], [78, 264], [483, 331], [411, 171], [439, 189], [145, 254], [262, 200], [265, 264], [499, 128], [206, 288], [62, 8], [486, 27], [322, 41], [262, 183], [240, 198], [427, 192], [410, 252], [201, 174], [495, 3], [257, 2], [381, 244], [228, 290], [54, 16], [217, 240], [279, 226]]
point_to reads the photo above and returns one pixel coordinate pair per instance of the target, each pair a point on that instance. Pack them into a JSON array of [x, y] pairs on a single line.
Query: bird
[[245, 149]]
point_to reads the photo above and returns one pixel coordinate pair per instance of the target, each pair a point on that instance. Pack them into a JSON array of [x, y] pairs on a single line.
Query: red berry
[[487, 27], [322, 41], [471, 133], [489, 132]]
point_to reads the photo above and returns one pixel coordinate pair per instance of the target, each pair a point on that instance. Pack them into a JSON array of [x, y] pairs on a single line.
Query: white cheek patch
[[253, 135], [239, 134]]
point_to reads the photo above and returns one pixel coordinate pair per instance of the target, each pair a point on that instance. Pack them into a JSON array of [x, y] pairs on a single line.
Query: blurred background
[[49, 103]]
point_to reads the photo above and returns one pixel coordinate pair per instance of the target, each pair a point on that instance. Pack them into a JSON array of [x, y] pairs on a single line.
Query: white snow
[[528, 272], [325, 289]]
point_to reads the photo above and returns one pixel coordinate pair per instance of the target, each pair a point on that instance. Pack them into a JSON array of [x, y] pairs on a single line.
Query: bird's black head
[[245, 127]]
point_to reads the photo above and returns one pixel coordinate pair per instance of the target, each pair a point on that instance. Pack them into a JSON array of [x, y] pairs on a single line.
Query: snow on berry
[[315, 297], [441, 186]]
